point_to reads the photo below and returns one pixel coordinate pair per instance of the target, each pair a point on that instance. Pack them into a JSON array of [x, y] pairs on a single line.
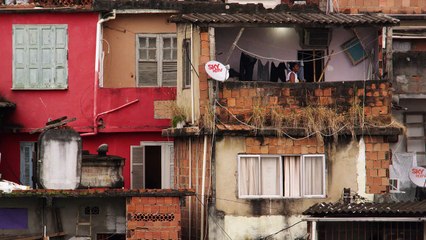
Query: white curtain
[[313, 175], [270, 176], [249, 176], [292, 176]]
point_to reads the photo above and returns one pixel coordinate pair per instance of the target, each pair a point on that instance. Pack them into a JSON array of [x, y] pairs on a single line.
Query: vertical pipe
[[314, 230], [203, 177], [192, 78], [190, 185], [389, 51]]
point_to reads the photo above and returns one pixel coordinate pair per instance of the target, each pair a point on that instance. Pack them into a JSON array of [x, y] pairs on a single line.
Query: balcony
[[327, 108]]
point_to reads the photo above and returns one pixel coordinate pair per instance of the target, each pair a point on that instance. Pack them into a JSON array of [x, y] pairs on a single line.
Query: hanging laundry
[[262, 71], [246, 67], [278, 72]]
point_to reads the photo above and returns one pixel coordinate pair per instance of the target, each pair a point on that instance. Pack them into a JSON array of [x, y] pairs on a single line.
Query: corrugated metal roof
[[400, 209], [286, 18]]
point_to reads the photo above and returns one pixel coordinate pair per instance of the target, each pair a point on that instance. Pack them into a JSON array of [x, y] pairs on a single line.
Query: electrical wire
[[217, 224], [309, 60]]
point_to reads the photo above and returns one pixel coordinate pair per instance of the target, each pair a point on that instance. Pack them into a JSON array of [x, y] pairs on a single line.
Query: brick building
[[269, 149]]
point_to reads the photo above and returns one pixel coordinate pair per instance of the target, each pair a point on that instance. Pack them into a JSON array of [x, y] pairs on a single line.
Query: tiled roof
[[401, 209], [289, 18]]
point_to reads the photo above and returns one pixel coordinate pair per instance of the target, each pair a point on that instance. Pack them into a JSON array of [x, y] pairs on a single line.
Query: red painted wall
[[34, 107], [118, 144], [122, 128]]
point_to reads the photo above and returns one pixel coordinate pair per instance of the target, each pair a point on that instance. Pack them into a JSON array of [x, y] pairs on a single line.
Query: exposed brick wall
[[156, 218], [275, 145], [385, 6], [163, 109], [204, 58], [377, 161], [186, 163], [240, 98]]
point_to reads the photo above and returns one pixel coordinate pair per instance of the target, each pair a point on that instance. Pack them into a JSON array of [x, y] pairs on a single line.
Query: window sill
[[280, 198], [39, 89]]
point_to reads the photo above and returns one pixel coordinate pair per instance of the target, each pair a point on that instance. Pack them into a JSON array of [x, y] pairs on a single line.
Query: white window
[[156, 60], [152, 165], [276, 176], [27, 150], [40, 56], [394, 185]]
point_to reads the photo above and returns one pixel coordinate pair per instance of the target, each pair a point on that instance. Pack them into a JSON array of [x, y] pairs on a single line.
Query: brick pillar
[[153, 218], [377, 161], [204, 58]]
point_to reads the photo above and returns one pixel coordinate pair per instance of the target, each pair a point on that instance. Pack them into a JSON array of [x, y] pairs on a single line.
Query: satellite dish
[[418, 176], [217, 70]]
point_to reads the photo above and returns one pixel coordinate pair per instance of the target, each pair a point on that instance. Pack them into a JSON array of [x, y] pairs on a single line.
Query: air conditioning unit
[[315, 37]]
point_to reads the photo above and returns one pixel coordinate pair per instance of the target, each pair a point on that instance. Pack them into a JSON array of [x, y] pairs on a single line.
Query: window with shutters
[[187, 64], [278, 176], [152, 165], [40, 56], [26, 171], [156, 60]]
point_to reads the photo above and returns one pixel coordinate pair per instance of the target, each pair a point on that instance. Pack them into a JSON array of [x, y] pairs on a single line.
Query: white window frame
[[396, 190], [53, 85], [167, 163], [302, 176], [159, 56], [259, 157]]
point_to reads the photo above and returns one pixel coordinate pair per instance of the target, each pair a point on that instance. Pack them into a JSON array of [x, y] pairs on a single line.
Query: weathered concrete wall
[[110, 218], [34, 216], [184, 95], [409, 72], [241, 214]]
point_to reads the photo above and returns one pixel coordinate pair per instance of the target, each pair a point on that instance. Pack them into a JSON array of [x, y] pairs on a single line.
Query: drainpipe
[[192, 79], [190, 185], [96, 85], [314, 230], [203, 177]]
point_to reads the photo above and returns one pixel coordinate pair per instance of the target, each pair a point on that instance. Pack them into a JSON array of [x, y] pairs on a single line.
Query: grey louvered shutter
[[40, 56], [169, 73], [47, 59], [148, 74], [26, 169], [20, 56], [137, 158], [60, 67]]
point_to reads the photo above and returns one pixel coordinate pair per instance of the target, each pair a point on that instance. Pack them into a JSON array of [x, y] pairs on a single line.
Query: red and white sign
[[217, 71], [418, 176]]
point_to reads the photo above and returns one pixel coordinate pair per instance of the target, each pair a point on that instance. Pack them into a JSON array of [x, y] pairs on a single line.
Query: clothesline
[[298, 60]]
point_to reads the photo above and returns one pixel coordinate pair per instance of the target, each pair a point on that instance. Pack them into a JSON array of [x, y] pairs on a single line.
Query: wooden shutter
[[137, 157], [20, 56], [40, 56], [26, 169], [147, 73], [169, 73], [60, 67]]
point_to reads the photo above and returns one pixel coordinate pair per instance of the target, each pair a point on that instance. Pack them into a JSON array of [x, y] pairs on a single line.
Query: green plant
[[178, 115]]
